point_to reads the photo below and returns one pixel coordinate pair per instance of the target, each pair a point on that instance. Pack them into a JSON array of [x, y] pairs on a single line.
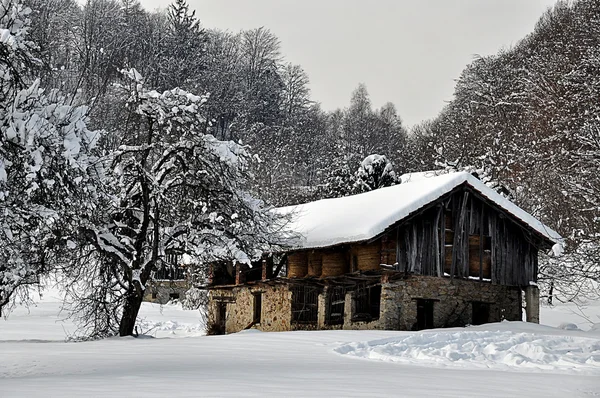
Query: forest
[[126, 134]]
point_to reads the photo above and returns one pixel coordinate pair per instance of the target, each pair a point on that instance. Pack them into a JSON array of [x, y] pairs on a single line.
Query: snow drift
[[484, 349]]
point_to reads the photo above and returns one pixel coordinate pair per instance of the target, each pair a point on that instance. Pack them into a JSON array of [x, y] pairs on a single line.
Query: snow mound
[[568, 326], [171, 327], [503, 350]]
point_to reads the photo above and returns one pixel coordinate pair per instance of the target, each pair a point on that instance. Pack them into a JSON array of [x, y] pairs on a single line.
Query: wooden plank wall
[[426, 246]]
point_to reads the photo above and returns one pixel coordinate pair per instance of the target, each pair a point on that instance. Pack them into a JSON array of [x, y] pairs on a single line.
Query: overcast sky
[[406, 51]]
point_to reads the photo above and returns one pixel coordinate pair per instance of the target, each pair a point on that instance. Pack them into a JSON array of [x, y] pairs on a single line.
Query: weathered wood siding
[[463, 236]]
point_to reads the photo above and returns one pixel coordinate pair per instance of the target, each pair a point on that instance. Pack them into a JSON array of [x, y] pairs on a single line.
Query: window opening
[[367, 303], [305, 304], [257, 307]]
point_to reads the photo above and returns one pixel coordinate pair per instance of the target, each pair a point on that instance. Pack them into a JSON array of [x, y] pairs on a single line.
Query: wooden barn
[[434, 251]]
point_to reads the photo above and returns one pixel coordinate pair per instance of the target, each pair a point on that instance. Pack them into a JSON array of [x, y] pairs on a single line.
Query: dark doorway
[[481, 313], [221, 317], [424, 314], [257, 307]]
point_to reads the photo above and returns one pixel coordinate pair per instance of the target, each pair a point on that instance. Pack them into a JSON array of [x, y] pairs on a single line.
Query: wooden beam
[[436, 238], [481, 243]]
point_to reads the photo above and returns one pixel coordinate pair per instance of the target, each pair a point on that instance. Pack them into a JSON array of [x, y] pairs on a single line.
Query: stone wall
[[161, 292], [453, 301], [452, 305], [276, 313]]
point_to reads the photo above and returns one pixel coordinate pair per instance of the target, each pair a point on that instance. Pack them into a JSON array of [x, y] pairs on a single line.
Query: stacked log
[[368, 256], [334, 264], [315, 263], [297, 265]]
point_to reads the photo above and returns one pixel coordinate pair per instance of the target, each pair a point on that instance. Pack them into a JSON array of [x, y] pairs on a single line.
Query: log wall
[[465, 237]]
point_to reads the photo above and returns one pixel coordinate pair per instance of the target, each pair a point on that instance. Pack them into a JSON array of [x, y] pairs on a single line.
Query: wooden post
[[383, 257], [265, 270], [443, 242], [211, 273], [385, 278], [459, 259], [436, 240], [397, 249], [239, 276], [481, 243]]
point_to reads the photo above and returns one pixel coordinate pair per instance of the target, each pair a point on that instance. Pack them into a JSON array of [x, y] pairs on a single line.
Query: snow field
[[505, 359], [485, 349]]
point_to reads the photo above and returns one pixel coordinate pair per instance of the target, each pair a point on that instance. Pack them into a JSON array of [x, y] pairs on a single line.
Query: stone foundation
[[452, 305]]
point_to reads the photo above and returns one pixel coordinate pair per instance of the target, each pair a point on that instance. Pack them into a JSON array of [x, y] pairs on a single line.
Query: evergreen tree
[[181, 60], [375, 172]]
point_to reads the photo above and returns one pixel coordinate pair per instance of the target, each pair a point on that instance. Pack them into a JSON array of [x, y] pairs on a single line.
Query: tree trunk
[[551, 292], [130, 313]]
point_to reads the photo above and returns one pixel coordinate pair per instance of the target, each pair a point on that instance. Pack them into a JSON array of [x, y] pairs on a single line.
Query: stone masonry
[[452, 306]]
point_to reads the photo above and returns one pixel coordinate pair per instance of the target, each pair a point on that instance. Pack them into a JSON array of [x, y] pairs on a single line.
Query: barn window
[[448, 241], [424, 314], [336, 299], [257, 306], [481, 313], [480, 256], [487, 243], [367, 303], [305, 304]]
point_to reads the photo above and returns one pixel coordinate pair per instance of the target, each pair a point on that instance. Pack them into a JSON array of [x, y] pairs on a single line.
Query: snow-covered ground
[[496, 360]]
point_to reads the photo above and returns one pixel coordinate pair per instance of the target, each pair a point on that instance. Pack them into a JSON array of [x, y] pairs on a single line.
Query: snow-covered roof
[[361, 217]]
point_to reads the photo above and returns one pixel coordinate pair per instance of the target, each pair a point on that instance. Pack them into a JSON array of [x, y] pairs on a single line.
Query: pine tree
[[375, 172], [181, 58]]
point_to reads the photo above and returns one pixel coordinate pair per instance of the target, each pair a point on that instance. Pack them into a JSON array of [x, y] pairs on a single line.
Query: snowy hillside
[[495, 360]]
